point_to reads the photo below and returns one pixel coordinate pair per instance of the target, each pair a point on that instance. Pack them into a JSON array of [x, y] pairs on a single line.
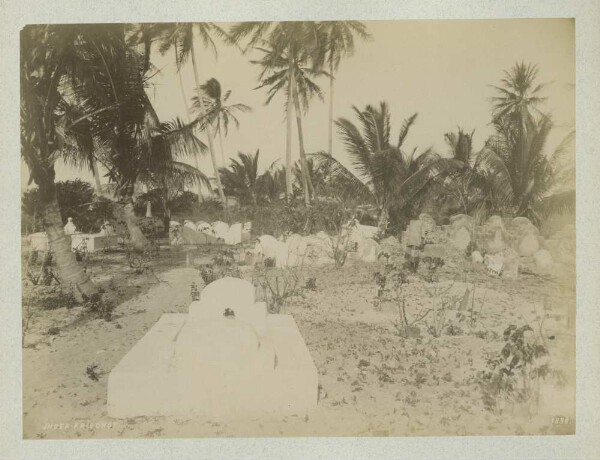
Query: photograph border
[[15, 14]]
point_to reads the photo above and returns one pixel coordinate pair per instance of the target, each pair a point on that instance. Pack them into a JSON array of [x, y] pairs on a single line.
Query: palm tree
[[532, 179], [181, 37], [339, 43], [51, 57], [218, 114], [164, 174], [518, 120], [241, 178], [484, 184], [295, 43], [385, 176], [295, 77]]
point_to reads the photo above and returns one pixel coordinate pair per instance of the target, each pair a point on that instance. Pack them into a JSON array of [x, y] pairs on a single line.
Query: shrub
[[49, 298], [513, 376]]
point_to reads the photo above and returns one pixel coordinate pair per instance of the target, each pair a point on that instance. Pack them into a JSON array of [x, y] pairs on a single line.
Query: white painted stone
[[204, 227], [189, 224], [415, 233], [93, 242], [70, 227], [266, 247], [476, 257], [107, 229], [234, 234], [497, 243], [368, 250], [495, 222], [461, 220], [461, 238], [215, 369], [528, 245], [174, 224], [228, 291], [38, 241], [221, 229], [494, 263], [246, 232]]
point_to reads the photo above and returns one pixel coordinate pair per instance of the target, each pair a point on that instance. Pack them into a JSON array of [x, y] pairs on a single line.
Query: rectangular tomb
[[151, 381], [93, 242]]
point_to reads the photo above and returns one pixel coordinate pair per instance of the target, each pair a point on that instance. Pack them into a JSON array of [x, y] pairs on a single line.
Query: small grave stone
[[476, 257], [494, 264], [70, 227], [511, 262], [528, 245], [234, 234], [461, 238], [543, 261]]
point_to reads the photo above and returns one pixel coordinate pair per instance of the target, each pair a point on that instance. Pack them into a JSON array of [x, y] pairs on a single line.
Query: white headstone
[[497, 243], [368, 250], [476, 257], [461, 238], [70, 228], [528, 245], [234, 234], [189, 224], [221, 229]]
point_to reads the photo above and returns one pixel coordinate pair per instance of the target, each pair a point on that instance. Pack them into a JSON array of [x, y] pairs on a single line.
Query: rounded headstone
[[70, 228], [495, 222], [228, 292], [461, 238], [368, 250], [528, 245], [476, 257], [510, 262], [461, 220], [497, 243]]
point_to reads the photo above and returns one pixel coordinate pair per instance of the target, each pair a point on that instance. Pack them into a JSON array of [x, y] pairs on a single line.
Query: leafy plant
[[432, 264], [513, 376], [278, 284], [194, 292]]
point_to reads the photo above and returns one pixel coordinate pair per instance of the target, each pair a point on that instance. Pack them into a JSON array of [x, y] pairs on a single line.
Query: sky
[[441, 69]]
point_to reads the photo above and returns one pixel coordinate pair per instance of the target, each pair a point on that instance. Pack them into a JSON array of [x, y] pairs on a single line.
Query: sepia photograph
[[298, 228], [286, 228]]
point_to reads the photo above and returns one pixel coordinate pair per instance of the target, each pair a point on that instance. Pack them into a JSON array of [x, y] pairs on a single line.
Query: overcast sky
[[441, 69]]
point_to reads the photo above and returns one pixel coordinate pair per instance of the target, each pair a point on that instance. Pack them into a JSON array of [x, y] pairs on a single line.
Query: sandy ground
[[372, 382]]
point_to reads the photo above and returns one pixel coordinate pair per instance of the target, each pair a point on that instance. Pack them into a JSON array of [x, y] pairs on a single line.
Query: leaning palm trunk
[[306, 181], [209, 134], [69, 271], [125, 213]]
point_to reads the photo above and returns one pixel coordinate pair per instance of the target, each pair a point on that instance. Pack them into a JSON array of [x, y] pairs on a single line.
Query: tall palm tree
[[52, 57], [218, 113], [241, 178], [385, 175], [516, 117], [295, 78], [294, 42], [338, 43], [182, 36]]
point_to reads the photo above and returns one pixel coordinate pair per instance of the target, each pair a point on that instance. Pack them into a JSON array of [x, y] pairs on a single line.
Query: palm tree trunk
[[221, 145], [383, 220], [306, 182], [288, 139], [96, 177], [125, 213], [211, 146], [189, 117], [330, 108], [71, 274]]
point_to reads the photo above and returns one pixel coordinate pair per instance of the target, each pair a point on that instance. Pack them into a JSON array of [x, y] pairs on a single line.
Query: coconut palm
[[295, 78], [531, 180], [382, 173], [484, 184], [181, 37], [165, 174], [339, 42], [52, 57], [295, 43], [218, 114]]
